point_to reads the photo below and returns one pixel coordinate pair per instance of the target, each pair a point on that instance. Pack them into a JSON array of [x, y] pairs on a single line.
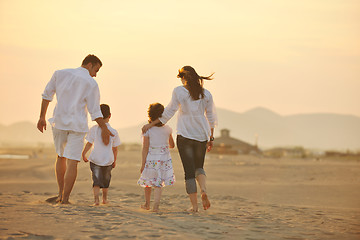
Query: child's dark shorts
[[101, 175]]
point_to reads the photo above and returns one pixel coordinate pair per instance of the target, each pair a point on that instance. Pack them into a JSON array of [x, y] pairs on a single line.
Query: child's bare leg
[[157, 196], [147, 192], [96, 190], [105, 193]]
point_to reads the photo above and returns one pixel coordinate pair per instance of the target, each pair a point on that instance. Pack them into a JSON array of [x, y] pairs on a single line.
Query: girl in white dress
[[156, 168]]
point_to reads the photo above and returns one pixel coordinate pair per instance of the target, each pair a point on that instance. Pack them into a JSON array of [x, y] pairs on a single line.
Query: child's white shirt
[[159, 136], [102, 154]]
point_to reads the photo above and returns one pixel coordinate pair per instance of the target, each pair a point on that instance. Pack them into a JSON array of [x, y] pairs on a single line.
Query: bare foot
[[146, 206], [96, 204], [65, 202], [156, 207], [105, 201], [192, 210], [58, 199], [205, 201]]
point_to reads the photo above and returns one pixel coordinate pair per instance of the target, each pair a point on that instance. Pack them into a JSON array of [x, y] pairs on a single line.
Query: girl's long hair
[[154, 112], [194, 82]]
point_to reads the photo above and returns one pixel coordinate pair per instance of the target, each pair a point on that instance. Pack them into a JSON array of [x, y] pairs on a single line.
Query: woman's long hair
[[194, 82]]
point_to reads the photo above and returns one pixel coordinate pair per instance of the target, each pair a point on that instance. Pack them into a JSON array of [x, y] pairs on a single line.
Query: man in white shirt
[[77, 93]]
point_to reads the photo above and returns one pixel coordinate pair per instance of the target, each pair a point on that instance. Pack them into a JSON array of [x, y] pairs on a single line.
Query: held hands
[[41, 125]]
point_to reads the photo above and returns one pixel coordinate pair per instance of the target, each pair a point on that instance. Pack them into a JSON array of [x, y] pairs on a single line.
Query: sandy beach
[[251, 198]]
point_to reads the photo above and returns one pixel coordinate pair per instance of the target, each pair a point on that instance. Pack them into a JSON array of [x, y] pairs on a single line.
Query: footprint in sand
[[26, 235], [52, 200]]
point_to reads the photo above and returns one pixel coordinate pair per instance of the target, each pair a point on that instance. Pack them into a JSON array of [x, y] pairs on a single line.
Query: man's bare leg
[[201, 179], [105, 193], [69, 179], [96, 190], [60, 169], [157, 196], [147, 193]]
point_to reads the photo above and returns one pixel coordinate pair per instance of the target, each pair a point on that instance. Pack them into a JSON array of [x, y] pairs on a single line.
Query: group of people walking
[[78, 94]]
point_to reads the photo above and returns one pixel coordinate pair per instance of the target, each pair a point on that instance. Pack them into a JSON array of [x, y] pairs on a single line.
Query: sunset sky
[[289, 56]]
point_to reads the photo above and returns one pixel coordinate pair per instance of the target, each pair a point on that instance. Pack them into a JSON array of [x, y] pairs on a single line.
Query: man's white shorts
[[68, 144]]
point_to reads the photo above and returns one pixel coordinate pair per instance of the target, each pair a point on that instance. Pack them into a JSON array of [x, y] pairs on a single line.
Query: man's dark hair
[[105, 110], [91, 59]]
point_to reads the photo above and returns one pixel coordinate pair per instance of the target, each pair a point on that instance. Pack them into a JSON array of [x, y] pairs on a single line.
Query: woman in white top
[[195, 127]]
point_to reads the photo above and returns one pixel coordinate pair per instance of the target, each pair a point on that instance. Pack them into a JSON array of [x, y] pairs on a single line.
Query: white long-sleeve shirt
[[195, 117], [77, 93]]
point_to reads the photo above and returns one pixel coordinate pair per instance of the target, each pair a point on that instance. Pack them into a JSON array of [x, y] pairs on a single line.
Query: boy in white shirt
[[103, 157]]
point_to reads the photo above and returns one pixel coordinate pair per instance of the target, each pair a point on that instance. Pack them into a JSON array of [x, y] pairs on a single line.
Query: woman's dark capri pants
[[192, 154]]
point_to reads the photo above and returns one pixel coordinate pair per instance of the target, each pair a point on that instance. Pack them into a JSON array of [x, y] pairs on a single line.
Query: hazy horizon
[[114, 124], [292, 57], [267, 128]]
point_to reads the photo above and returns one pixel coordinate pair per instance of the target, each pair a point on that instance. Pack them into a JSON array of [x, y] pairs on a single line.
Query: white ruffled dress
[[158, 171]]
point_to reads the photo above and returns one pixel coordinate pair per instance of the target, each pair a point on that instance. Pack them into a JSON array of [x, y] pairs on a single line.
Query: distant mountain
[[322, 131], [319, 131]]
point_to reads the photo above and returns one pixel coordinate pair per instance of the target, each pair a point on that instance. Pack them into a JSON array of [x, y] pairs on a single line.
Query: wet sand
[[251, 198]]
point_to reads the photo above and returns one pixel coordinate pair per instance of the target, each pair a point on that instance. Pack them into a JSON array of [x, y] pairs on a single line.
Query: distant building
[[228, 145]]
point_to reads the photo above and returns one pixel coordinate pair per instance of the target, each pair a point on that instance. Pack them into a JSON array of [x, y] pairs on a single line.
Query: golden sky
[[300, 56]]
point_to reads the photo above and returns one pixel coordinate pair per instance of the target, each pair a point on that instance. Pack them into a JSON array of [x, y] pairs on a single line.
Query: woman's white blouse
[[195, 117]]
